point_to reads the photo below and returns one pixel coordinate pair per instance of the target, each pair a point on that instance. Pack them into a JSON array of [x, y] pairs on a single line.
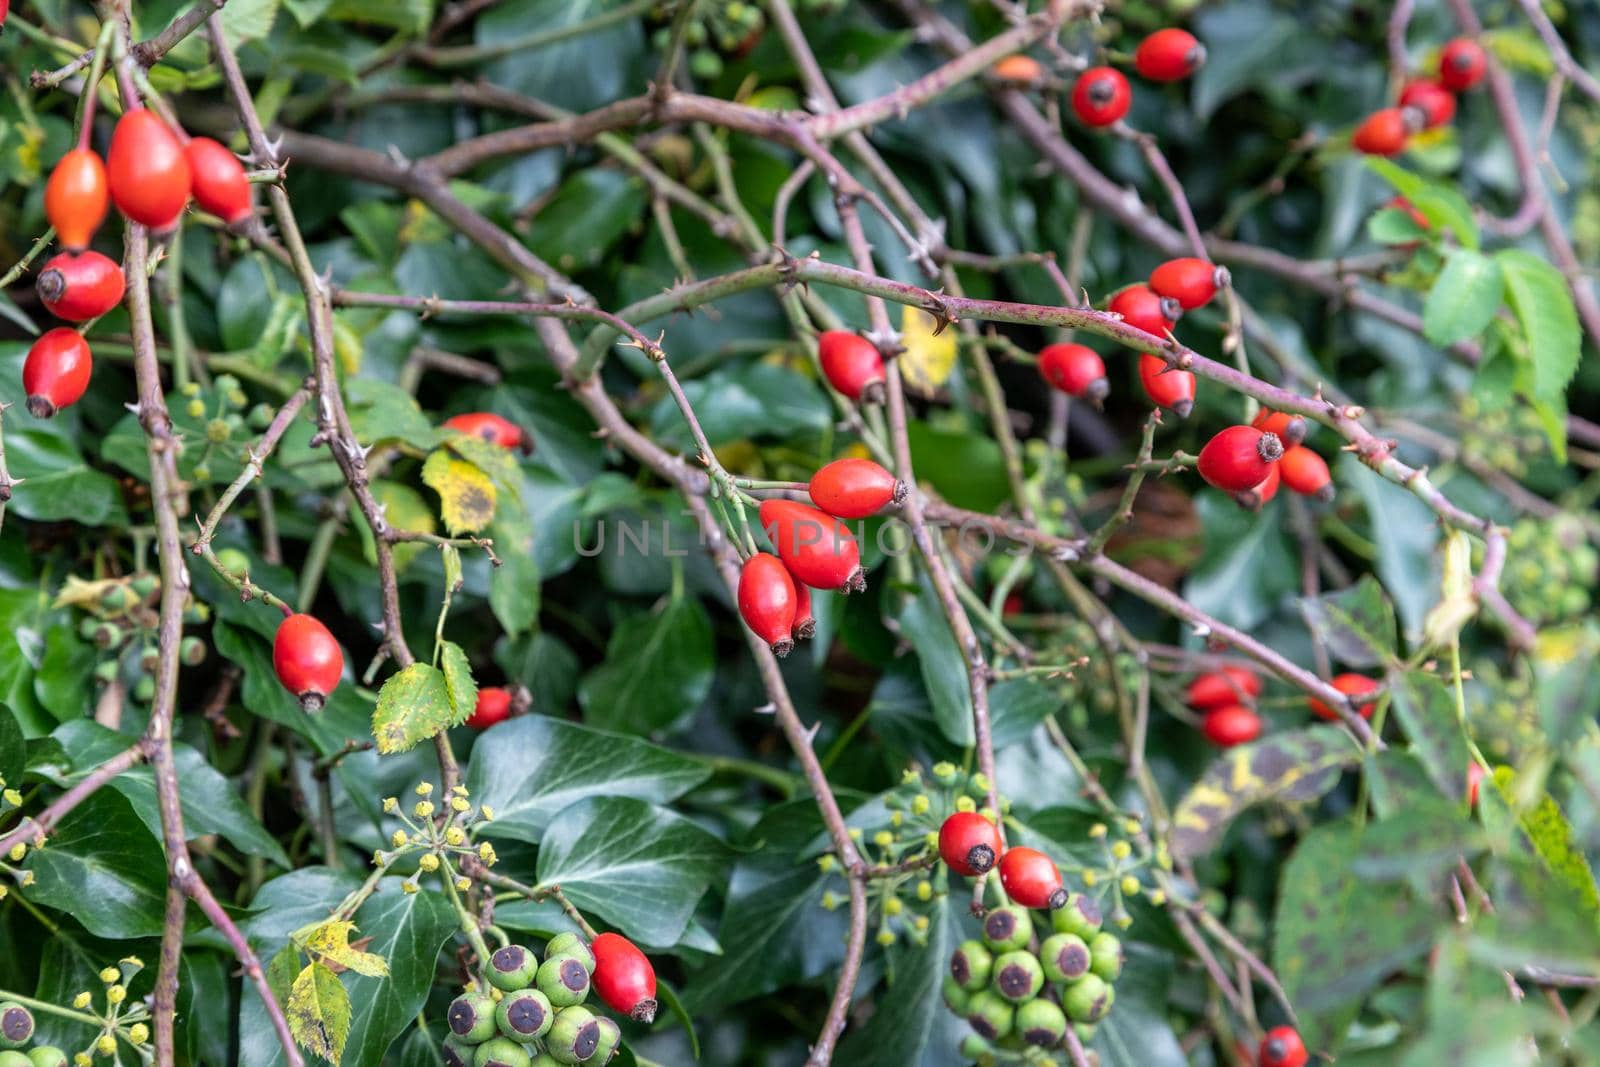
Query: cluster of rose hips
[[1424, 102], [150, 173], [531, 1013], [814, 549], [121, 617], [121, 1019], [1101, 96], [1226, 701]]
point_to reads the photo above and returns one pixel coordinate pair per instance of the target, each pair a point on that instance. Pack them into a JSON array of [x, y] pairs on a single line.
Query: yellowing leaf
[[404, 509], [331, 941], [319, 1012], [466, 494], [928, 359], [1551, 835], [413, 706]]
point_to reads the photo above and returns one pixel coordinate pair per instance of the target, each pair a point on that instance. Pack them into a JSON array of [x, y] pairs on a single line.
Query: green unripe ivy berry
[[218, 431], [107, 635], [1085, 1032], [202, 473], [1042, 1023], [106, 671], [564, 979], [119, 598], [233, 561], [1065, 957], [570, 944], [1007, 928], [1018, 976], [457, 1053], [48, 1056], [14, 1059], [1079, 915], [261, 416], [87, 626], [610, 1042], [226, 383], [471, 1017], [970, 965], [1106, 951], [544, 1059], [196, 613], [512, 967], [16, 1025], [144, 690], [524, 1015], [705, 63], [976, 1048], [236, 397], [192, 651], [574, 1036], [196, 408], [990, 1015], [501, 1052], [955, 997], [1088, 999]]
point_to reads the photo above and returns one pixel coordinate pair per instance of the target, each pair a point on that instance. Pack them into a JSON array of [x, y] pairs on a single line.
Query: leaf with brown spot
[[319, 1012], [467, 496]]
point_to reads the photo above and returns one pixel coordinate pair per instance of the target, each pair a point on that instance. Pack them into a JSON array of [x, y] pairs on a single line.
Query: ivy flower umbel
[[440, 837]]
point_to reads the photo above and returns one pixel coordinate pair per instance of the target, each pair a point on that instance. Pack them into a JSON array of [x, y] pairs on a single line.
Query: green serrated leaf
[[1464, 298], [319, 1012], [1539, 296], [1296, 766], [458, 682], [1441, 203], [413, 705], [1426, 710]]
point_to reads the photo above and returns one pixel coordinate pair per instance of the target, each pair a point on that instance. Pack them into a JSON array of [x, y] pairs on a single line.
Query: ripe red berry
[[1191, 282], [1291, 429], [1282, 1047], [1462, 64], [818, 549], [624, 977], [149, 172], [1350, 685], [1101, 96], [75, 198], [1239, 457], [494, 706], [1143, 309], [1382, 133], [1306, 473], [805, 623], [1076, 370], [81, 286], [308, 660], [491, 428], [1166, 387], [1256, 497], [854, 488], [1231, 725], [217, 180], [1169, 55], [767, 601], [1435, 103], [852, 365], [1475, 776], [1230, 685], [5, 9], [1024, 70], [1030, 878], [56, 372], [969, 844]]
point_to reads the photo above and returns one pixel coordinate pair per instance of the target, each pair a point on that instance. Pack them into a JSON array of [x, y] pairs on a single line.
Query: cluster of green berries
[[223, 421], [531, 1014], [1019, 993], [438, 839], [121, 1020], [898, 902], [1504, 712], [120, 620], [1550, 570], [723, 27], [11, 800], [1500, 437], [1118, 874]]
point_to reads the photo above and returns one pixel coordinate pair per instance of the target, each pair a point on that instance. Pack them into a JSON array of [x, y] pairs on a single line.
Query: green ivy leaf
[[1464, 298], [1355, 623], [658, 668], [910, 1020], [102, 867], [943, 667], [413, 705]]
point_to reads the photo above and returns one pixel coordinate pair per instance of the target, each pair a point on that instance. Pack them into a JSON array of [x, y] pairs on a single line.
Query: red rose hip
[[1216, 689], [1435, 103], [852, 365], [818, 549], [1167, 387], [1076, 370], [217, 180], [1190, 281], [1169, 55], [1101, 96], [149, 173], [624, 977], [1462, 64], [1306, 473], [1030, 878], [56, 372], [969, 844], [489, 427], [75, 198], [854, 488], [1353, 685], [1239, 458], [493, 706], [307, 659], [79, 287], [1382, 133], [1233, 724], [1256, 498], [1144, 309], [1291, 429], [1282, 1047], [767, 601], [805, 623]]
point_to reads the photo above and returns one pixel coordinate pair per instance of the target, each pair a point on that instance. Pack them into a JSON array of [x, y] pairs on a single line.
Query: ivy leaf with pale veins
[[1296, 766]]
